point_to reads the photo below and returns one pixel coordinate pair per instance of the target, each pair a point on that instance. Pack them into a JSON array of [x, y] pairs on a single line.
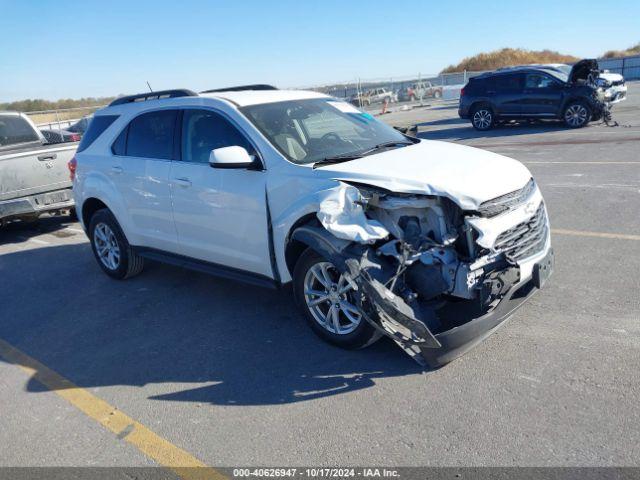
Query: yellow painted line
[[581, 233], [185, 465]]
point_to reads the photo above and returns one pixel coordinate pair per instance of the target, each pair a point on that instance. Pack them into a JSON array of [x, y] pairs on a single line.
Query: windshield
[[308, 131]]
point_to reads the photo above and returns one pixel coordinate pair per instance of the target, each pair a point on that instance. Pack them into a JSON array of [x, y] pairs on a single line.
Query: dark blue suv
[[533, 92]]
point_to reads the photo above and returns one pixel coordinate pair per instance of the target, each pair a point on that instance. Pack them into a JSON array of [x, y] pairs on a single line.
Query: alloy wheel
[[576, 115], [482, 119], [106, 245], [329, 298]]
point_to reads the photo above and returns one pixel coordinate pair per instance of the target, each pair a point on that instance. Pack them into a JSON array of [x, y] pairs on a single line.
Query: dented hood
[[466, 175]]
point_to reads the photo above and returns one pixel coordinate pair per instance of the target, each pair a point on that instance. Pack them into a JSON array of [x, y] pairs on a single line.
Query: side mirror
[[231, 157]]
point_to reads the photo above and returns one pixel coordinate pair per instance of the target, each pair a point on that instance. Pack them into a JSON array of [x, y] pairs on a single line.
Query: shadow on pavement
[[18, 231], [241, 345], [467, 132]]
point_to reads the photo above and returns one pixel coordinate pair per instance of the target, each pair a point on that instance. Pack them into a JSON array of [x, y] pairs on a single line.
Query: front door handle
[[183, 182], [116, 169], [48, 156]]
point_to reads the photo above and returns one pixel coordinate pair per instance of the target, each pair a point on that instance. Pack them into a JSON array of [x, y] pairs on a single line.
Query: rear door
[[542, 95], [220, 214], [140, 170], [506, 91]]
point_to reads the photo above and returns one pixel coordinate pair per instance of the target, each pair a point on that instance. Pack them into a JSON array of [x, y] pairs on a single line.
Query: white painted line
[[39, 242], [75, 230], [581, 163]]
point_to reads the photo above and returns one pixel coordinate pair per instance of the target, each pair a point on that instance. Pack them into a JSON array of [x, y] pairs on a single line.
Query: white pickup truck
[[33, 175]]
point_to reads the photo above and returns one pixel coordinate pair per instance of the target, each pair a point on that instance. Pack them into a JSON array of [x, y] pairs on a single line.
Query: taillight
[[72, 164], [74, 137], [462, 91]]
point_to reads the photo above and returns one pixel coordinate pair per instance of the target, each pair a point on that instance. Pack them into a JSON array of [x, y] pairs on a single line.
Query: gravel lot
[[231, 374]]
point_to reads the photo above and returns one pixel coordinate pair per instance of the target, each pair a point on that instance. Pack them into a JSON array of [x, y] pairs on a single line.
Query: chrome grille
[[501, 204], [525, 239]]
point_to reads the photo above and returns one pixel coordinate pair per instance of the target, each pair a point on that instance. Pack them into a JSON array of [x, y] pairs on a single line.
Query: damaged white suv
[[430, 243]]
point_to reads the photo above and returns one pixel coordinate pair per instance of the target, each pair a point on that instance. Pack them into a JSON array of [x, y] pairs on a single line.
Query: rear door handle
[[116, 169], [47, 156], [183, 182]]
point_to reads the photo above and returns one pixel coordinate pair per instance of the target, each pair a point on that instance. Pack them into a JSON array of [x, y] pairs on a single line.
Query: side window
[[204, 130], [119, 147], [536, 80], [508, 82], [151, 135], [14, 130]]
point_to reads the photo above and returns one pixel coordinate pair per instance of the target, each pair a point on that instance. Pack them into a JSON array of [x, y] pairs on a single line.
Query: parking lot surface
[[231, 374]]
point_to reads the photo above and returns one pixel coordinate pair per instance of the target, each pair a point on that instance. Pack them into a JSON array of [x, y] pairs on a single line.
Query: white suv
[[430, 243]]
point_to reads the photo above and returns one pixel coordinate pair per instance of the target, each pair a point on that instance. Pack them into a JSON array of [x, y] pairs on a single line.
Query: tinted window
[[151, 135], [203, 131], [508, 82], [14, 129], [119, 147], [98, 125], [537, 80]]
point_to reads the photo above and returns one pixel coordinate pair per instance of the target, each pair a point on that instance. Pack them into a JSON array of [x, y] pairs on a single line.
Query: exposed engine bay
[[422, 266]]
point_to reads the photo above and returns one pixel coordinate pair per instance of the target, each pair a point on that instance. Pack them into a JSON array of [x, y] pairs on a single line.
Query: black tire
[[437, 94], [362, 336], [129, 263], [577, 114], [483, 118]]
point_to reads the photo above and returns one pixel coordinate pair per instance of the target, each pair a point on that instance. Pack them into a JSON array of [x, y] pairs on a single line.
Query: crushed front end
[[435, 278]]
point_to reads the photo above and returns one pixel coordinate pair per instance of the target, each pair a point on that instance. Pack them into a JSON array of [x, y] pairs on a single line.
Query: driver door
[[220, 214]]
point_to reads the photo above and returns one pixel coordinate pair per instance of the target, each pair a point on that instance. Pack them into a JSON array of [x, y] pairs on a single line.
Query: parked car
[[33, 176], [420, 90], [433, 244], [533, 92], [374, 95], [81, 125]]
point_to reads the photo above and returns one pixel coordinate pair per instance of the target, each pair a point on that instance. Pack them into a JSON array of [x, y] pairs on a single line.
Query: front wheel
[[329, 303], [576, 115], [437, 94], [482, 118]]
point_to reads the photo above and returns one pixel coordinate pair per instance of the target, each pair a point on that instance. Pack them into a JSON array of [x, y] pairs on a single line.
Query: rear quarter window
[[96, 127]]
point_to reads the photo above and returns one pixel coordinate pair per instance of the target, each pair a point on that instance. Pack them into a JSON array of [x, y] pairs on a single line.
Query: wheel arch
[[294, 246], [89, 207]]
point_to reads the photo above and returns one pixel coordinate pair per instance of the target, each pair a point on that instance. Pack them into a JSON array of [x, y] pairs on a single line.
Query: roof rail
[[258, 86], [162, 94]]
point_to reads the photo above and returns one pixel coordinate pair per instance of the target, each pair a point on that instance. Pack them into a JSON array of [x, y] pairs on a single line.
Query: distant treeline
[[34, 105], [629, 52], [507, 57]]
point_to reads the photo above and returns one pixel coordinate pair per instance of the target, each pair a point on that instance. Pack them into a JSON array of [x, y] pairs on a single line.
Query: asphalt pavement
[[231, 374]]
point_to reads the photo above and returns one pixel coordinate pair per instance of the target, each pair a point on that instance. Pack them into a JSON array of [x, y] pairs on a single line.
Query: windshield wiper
[[337, 159], [354, 156]]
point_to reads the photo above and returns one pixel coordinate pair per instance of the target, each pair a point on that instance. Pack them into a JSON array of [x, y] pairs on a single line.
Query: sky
[[55, 49]]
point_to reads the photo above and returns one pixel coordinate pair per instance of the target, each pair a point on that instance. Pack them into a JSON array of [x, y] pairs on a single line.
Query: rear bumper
[[36, 204]]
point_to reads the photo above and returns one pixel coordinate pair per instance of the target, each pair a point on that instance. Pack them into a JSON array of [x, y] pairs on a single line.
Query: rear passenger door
[[220, 214], [506, 92], [542, 95], [140, 170]]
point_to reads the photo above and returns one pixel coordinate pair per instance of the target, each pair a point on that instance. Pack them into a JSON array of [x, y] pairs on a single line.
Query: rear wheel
[[329, 303], [482, 118], [437, 94], [576, 115], [111, 248]]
